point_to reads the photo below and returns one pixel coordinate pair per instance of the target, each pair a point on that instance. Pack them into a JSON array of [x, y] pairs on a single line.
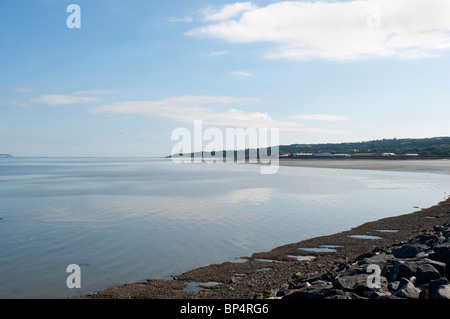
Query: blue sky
[[327, 71]]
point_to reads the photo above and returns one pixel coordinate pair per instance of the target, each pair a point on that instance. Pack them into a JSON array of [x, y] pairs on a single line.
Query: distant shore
[[440, 166]]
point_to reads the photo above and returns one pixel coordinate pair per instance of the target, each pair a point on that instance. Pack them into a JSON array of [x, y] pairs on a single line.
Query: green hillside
[[438, 146]]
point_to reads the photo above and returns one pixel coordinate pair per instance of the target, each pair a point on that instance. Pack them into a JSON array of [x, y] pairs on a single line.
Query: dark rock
[[413, 270], [429, 239], [406, 269], [393, 286], [381, 260], [408, 251], [441, 253], [364, 256], [425, 273], [282, 292], [443, 292], [375, 294], [349, 282], [329, 276], [339, 294], [440, 266], [402, 269], [316, 291], [351, 271], [435, 285], [407, 289], [357, 283]]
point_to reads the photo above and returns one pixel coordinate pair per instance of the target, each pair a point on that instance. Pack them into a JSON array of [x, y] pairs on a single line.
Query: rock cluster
[[418, 269]]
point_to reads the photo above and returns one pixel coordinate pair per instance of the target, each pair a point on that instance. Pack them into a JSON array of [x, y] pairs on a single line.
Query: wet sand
[[265, 272], [439, 166]]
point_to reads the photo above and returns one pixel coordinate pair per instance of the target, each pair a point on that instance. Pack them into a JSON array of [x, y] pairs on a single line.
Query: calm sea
[[126, 220]]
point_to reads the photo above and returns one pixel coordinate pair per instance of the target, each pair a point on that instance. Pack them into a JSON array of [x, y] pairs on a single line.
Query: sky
[[132, 71]]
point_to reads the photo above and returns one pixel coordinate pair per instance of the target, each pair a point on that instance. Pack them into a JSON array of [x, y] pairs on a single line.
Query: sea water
[[125, 220]]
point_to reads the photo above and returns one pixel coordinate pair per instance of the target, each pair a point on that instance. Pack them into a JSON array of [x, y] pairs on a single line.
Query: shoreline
[[438, 166], [264, 273]]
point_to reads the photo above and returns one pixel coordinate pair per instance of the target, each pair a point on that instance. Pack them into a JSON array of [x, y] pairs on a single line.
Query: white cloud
[[218, 53], [243, 73], [22, 90], [18, 103], [53, 100], [188, 109], [356, 29], [184, 19], [94, 92], [321, 117], [88, 96], [226, 12]]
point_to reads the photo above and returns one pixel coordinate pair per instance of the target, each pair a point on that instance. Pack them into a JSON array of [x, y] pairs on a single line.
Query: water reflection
[[132, 219]]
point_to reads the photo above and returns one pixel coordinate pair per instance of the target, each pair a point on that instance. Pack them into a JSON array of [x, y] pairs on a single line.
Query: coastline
[[439, 166], [264, 273]]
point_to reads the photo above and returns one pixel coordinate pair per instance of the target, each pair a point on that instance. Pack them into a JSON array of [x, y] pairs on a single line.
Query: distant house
[[412, 155], [284, 155], [303, 154], [389, 154]]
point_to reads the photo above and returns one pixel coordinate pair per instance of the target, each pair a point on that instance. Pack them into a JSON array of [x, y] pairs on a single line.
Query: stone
[[350, 282], [425, 273], [434, 286], [429, 239], [375, 294], [339, 294], [313, 291], [408, 251], [382, 260], [443, 292], [407, 290], [393, 286], [441, 253], [440, 266], [357, 283]]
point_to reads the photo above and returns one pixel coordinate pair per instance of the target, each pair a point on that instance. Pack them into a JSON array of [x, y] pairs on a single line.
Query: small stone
[[443, 292], [435, 285], [344, 295], [440, 266], [426, 273], [441, 253], [407, 290], [314, 291], [393, 286], [408, 251], [377, 294]]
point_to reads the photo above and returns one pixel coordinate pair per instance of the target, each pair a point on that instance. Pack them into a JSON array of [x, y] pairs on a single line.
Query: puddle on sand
[[387, 230], [263, 269], [331, 246], [268, 260], [303, 258], [320, 250], [364, 237], [194, 286]]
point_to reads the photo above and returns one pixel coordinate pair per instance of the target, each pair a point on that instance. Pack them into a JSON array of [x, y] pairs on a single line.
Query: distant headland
[[6, 156], [425, 148]]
